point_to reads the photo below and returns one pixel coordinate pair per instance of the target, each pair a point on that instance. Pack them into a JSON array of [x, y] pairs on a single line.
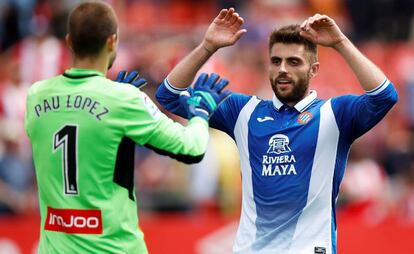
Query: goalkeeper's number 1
[[66, 138]]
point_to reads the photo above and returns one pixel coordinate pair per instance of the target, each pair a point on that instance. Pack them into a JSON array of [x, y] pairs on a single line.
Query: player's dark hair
[[89, 26], [291, 35]]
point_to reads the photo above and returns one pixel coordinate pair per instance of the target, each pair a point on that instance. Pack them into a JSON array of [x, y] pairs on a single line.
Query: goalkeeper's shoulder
[[41, 85], [132, 99], [123, 91]]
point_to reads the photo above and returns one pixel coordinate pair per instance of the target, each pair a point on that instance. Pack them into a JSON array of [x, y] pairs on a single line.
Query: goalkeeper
[[83, 128]]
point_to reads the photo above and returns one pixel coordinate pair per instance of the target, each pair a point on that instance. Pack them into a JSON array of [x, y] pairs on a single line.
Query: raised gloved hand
[[206, 97], [132, 78]]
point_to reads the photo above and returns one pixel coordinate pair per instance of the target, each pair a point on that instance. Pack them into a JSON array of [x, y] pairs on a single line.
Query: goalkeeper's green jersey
[[83, 128]]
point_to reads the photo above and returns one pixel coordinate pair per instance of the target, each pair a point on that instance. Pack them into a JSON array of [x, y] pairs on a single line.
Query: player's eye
[[275, 61], [294, 62]]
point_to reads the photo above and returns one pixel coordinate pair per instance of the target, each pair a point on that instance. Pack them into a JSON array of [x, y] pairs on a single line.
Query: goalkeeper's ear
[[112, 42], [68, 41]]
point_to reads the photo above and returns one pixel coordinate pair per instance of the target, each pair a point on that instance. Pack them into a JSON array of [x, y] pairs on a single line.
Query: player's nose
[[282, 67]]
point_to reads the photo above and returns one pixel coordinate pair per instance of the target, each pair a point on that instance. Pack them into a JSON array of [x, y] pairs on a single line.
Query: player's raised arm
[[322, 30], [224, 31]]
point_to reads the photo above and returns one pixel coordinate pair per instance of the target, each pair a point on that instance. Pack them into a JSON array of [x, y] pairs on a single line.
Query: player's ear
[[112, 42], [68, 41], [314, 69]]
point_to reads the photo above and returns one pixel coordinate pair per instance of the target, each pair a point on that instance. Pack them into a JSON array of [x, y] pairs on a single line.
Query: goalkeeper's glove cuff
[[195, 106]]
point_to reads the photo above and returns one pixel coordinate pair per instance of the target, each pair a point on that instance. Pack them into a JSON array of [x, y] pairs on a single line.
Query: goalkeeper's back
[[83, 127]]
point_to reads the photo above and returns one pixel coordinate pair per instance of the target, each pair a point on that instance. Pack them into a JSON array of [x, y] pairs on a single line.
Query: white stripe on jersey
[[172, 88], [247, 221], [379, 88], [314, 227]]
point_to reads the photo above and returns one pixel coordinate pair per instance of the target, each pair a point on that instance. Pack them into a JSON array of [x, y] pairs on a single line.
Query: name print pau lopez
[[278, 160], [71, 102]]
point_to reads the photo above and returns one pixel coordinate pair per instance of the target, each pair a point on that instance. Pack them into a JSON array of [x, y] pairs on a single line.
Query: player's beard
[[111, 60], [298, 90]]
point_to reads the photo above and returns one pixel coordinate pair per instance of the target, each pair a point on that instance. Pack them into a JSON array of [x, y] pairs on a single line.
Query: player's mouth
[[283, 83]]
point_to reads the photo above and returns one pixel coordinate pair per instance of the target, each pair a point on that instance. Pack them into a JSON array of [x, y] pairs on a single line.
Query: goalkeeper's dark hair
[[291, 35], [89, 26]]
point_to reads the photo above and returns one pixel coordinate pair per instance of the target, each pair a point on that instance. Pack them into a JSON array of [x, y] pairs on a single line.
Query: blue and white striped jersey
[[292, 163]]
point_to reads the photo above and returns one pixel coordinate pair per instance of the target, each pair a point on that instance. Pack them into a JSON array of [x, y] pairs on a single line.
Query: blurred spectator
[[215, 181], [16, 172], [405, 197], [387, 20], [15, 18], [13, 95], [162, 183], [41, 55], [364, 185], [398, 152]]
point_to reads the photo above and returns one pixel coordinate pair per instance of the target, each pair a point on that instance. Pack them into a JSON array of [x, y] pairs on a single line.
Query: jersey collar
[[77, 73], [301, 105]]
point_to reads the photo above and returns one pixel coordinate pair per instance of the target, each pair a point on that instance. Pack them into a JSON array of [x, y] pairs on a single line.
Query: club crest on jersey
[[277, 161], [278, 144], [305, 117]]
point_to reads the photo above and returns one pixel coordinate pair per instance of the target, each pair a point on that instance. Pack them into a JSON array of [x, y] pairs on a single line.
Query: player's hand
[[131, 78], [322, 30], [224, 30], [207, 96]]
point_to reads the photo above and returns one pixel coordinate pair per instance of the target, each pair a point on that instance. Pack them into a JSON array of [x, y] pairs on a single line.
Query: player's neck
[[293, 103], [99, 63]]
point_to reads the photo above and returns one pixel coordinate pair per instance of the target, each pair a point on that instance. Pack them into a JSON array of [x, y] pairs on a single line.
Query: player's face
[[289, 72]]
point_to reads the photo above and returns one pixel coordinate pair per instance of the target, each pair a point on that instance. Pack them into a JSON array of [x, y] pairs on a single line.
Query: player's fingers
[[308, 35], [238, 35], [131, 76], [239, 22], [229, 14], [311, 20], [211, 80], [317, 16], [222, 14], [305, 25], [121, 76], [326, 19], [320, 19], [200, 80], [221, 85], [315, 19], [139, 83], [302, 26], [234, 18]]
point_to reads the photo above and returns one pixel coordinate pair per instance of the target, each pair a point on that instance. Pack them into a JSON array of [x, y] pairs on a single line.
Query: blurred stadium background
[[195, 209]]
